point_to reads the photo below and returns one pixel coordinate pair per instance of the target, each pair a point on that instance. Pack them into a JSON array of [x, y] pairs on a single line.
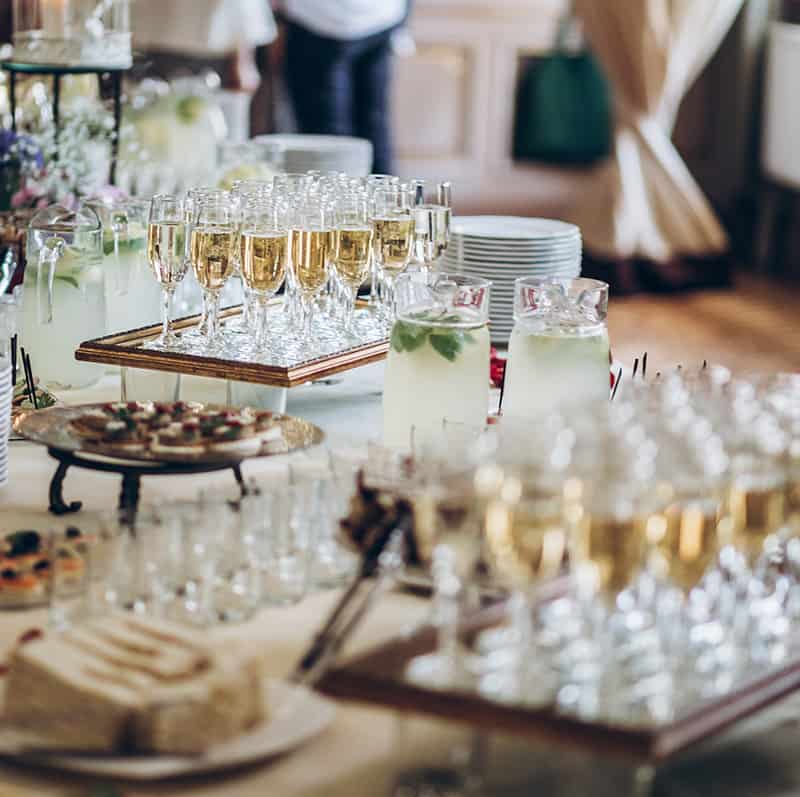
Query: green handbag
[[563, 112]]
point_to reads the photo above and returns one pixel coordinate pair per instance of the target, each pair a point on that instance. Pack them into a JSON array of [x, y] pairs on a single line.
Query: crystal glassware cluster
[[221, 558], [317, 238], [672, 515]]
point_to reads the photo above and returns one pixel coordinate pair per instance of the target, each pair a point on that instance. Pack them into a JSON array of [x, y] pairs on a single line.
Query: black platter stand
[[131, 473], [114, 74]]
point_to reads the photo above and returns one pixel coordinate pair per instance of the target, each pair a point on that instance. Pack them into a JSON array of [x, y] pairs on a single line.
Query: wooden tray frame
[[124, 349], [377, 678]]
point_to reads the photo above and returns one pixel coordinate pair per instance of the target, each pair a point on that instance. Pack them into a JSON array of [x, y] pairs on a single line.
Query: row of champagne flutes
[[676, 509], [221, 557], [320, 235]]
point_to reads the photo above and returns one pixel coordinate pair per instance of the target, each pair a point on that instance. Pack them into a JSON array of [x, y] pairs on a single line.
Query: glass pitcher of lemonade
[[64, 299], [438, 362], [133, 297], [558, 351]]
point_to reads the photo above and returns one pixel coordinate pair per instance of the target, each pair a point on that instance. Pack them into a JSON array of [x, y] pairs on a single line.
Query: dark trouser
[[342, 87]]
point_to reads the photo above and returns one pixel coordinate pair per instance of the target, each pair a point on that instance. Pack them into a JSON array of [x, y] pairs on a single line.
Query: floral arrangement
[[20, 157], [59, 168]]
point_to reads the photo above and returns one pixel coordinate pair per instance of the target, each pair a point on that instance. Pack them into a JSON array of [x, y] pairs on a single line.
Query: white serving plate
[[504, 227], [296, 715], [514, 243]]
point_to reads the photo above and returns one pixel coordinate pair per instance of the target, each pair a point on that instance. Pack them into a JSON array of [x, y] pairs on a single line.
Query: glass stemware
[[166, 235], [351, 257], [264, 258], [312, 237], [393, 227], [213, 243]]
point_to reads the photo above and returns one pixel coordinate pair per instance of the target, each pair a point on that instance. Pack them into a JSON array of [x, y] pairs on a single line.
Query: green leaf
[[409, 337], [447, 344], [396, 339], [70, 280]]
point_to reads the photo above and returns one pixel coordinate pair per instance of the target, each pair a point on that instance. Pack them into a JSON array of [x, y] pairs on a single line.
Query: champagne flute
[[353, 244], [393, 227], [311, 256], [372, 183], [264, 255], [213, 243], [166, 235]]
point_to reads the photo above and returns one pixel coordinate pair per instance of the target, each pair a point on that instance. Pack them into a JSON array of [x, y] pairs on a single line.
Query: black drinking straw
[[26, 365], [644, 366], [502, 389], [616, 384], [635, 367], [33, 383], [13, 361]]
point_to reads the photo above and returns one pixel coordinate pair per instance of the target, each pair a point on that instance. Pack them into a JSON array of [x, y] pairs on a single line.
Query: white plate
[[513, 245], [539, 254], [297, 715], [518, 227]]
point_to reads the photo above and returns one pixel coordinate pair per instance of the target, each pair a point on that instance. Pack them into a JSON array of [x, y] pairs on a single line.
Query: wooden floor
[[753, 327]]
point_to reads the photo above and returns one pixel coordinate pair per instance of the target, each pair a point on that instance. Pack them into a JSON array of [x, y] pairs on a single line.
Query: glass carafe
[[133, 297], [64, 300], [438, 361], [558, 351]]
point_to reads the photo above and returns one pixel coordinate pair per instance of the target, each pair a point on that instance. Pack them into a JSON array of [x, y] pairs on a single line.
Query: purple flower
[[20, 147]]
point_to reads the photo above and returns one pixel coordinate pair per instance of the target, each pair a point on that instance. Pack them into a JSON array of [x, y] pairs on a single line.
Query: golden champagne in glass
[[685, 540], [310, 258], [212, 254], [352, 251], [263, 258], [394, 236]]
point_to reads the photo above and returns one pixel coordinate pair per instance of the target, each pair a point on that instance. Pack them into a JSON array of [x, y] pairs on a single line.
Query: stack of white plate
[[324, 153], [6, 392], [502, 248]]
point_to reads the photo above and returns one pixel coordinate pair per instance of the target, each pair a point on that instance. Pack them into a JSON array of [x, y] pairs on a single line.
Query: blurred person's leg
[[372, 101], [319, 79]]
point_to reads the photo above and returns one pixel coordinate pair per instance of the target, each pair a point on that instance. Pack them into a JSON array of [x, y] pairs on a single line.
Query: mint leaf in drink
[[69, 279], [409, 336], [448, 344], [396, 339]]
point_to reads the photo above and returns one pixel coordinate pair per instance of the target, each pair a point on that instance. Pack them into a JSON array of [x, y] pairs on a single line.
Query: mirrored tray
[[286, 364], [52, 428], [379, 677]]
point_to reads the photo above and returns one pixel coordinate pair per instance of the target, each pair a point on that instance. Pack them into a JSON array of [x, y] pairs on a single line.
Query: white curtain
[[643, 202]]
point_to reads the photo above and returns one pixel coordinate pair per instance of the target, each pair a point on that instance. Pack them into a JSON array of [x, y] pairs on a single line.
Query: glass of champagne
[[372, 183], [213, 243], [353, 244], [311, 252], [394, 228], [166, 234], [432, 224], [264, 257]]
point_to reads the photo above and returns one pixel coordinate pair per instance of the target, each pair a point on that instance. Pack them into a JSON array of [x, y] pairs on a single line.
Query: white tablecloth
[[362, 752]]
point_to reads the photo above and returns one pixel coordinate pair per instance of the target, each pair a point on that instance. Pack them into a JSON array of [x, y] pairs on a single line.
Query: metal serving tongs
[[384, 560]]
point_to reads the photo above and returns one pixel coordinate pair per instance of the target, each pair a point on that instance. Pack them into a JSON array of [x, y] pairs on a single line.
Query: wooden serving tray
[[377, 677], [125, 349]]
